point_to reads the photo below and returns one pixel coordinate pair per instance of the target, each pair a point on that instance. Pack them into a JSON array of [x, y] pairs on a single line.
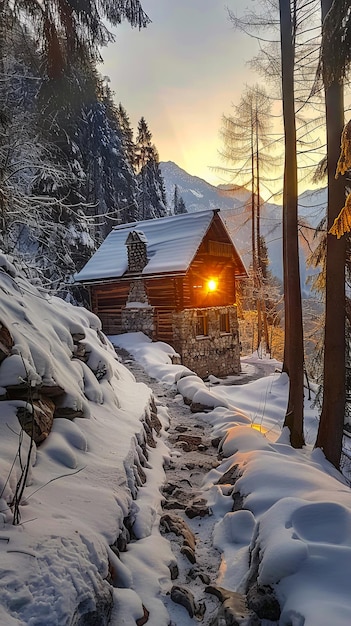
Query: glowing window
[[212, 284]]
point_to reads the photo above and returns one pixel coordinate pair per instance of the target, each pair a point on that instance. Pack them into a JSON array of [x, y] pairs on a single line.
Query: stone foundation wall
[[217, 353], [137, 292], [138, 319]]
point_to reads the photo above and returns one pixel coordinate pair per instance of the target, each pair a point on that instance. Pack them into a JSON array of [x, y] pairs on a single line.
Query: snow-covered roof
[[172, 243]]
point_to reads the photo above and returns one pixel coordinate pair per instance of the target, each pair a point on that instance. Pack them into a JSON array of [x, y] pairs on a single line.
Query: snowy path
[[192, 456], [191, 459]]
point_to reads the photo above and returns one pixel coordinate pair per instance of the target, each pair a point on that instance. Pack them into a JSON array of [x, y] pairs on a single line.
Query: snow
[[297, 507], [296, 515], [76, 498], [197, 194]]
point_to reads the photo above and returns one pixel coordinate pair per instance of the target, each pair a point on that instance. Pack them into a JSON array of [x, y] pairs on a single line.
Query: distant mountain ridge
[[196, 192], [234, 205]]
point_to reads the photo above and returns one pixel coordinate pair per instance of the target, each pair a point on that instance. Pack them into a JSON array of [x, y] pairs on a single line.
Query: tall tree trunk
[[258, 204], [294, 366], [253, 212], [285, 367], [331, 425]]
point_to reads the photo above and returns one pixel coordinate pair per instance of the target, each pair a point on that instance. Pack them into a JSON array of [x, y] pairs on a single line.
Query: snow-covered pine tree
[[30, 218], [181, 206], [152, 193], [178, 202], [83, 120], [111, 182], [127, 134], [175, 200]]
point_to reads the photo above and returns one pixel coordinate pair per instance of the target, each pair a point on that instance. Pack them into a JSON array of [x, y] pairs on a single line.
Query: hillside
[[87, 537]]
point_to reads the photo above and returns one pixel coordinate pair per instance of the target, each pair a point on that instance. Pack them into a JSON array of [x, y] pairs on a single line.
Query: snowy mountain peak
[[197, 193]]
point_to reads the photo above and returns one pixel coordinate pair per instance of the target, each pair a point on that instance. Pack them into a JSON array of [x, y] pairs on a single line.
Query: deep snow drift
[[293, 533], [55, 563]]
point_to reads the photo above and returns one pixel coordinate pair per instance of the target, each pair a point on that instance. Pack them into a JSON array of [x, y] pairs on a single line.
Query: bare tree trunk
[[253, 237], [331, 425], [294, 338], [285, 367]]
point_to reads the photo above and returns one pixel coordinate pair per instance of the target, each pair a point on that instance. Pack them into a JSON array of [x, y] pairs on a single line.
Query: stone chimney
[[136, 243]]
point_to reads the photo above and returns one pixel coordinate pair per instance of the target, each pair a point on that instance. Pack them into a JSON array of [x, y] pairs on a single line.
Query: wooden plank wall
[[107, 302], [162, 292], [164, 325]]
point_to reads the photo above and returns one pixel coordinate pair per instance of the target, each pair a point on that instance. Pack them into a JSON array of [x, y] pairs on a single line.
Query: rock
[[6, 343], [176, 359], [183, 496], [38, 421], [197, 407], [200, 610], [234, 610], [68, 412], [78, 336], [238, 501], [216, 441], [204, 578], [174, 524], [85, 615], [181, 429], [169, 488], [143, 620], [194, 573], [185, 481], [122, 540], [154, 420], [21, 391], [230, 476], [198, 508], [185, 598], [173, 504], [263, 601], [191, 442], [79, 351], [174, 570], [189, 553], [52, 391]]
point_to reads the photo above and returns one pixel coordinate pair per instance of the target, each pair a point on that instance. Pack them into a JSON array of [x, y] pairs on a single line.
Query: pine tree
[[30, 218], [178, 202], [181, 206], [152, 193], [175, 200], [67, 29], [127, 134]]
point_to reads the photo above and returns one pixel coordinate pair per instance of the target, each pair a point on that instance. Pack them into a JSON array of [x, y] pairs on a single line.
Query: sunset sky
[[182, 73]]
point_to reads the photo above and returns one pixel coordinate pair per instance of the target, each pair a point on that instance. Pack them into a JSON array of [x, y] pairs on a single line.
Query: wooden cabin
[[174, 279]]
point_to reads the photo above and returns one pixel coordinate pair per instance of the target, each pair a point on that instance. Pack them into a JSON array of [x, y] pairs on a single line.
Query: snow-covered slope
[[56, 565]]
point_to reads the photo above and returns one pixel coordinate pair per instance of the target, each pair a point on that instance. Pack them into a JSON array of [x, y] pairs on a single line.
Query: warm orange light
[[259, 427], [212, 284]]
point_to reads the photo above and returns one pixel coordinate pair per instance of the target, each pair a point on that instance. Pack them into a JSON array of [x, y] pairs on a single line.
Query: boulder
[[37, 418]]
